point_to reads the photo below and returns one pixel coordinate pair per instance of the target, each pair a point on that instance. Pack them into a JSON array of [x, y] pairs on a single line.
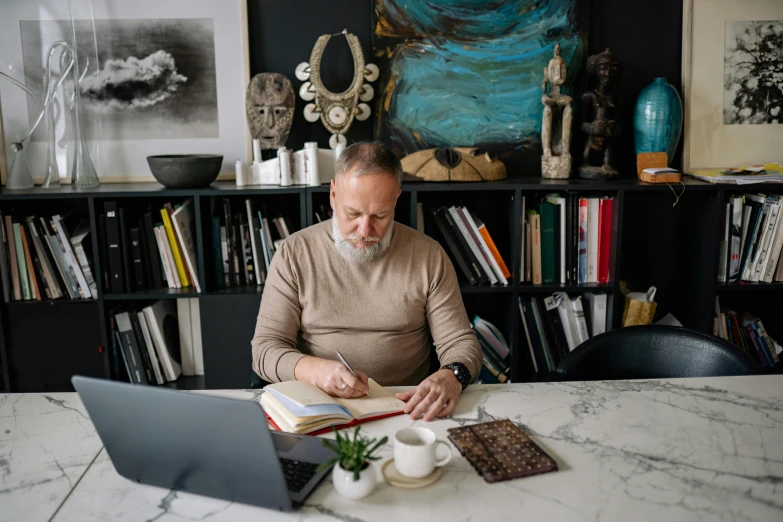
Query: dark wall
[[645, 34], [281, 36]]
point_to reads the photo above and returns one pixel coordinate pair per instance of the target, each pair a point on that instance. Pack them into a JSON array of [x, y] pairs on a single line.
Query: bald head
[[365, 158]]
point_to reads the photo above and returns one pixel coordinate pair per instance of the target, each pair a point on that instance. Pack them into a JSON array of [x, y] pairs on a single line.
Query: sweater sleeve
[[277, 327], [448, 322]]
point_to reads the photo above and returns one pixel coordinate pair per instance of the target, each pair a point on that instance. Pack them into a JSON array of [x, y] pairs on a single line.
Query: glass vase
[[52, 179], [19, 174]]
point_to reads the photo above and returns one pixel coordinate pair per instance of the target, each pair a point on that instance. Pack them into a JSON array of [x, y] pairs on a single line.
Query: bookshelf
[[652, 243]]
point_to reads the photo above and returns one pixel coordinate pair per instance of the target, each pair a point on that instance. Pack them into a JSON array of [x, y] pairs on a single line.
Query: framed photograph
[[732, 70], [158, 77]]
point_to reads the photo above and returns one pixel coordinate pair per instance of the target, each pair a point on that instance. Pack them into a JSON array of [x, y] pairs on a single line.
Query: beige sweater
[[376, 313]]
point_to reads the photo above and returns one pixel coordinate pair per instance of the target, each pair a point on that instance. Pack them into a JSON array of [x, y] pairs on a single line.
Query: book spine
[[582, 241], [13, 260], [734, 238], [138, 266], [556, 323], [762, 358], [545, 349], [535, 224], [775, 251], [547, 212], [253, 224], [166, 260], [22, 263], [528, 252], [769, 233], [227, 282], [141, 346], [473, 242], [152, 248], [527, 324], [70, 257], [156, 369], [66, 274], [138, 374], [127, 256], [183, 223], [34, 287], [604, 239], [176, 254], [117, 283], [768, 341], [724, 246], [4, 267], [41, 260], [592, 240], [494, 251]]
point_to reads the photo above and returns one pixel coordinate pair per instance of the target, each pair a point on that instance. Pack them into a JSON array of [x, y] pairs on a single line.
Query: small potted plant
[[353, 474]]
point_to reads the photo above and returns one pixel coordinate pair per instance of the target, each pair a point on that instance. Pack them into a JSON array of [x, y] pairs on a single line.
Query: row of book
[[158, 343], [557, 324], [752, 245], [496, 359], [566, 240], [470, 246], [747, 331], [148, 252], [245, 242], [45, 258]]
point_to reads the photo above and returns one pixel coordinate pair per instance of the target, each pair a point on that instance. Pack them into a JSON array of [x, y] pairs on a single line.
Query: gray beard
[[351, 253]]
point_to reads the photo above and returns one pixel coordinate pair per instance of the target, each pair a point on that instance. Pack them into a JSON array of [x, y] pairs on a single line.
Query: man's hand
[[332, 377], [436, 396]]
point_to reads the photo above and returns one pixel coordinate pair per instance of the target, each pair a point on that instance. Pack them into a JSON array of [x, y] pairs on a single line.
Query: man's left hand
[[436, 396]]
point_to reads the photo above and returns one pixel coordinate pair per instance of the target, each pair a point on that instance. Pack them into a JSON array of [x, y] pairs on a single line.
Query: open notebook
[[300, 407]]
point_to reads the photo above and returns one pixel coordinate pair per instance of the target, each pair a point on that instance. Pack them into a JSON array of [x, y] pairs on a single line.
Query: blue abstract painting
[[469, 72]]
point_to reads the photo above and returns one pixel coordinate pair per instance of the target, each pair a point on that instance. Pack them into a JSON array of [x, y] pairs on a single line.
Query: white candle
[[241, 173], [256, 151]]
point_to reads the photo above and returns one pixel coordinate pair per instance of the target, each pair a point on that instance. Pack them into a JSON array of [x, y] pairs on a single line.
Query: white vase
[[345, 484]]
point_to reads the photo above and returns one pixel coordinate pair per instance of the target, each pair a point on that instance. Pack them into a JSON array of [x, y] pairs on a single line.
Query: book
[[114, 262], [34, 288], [300, 407], [160, 316], [548, 240], [499, 264], [70, 256], [560, 233], [582, 255], [17, 285], [592, 239], [604, 238], [4, 268], [175, 249], [535, 229], [184, 224], [522, 308]]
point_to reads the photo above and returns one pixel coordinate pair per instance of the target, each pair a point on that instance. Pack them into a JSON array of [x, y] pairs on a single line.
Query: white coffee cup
[[414, 452]]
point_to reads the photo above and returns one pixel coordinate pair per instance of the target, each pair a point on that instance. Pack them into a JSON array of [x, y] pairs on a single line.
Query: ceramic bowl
[[185, 171]]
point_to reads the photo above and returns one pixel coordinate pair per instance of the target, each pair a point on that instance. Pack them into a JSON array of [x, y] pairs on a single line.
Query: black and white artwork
[[753, 72], [155, 78]]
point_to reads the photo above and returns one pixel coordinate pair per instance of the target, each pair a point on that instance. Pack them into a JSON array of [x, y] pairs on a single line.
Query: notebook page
[[380, 402]]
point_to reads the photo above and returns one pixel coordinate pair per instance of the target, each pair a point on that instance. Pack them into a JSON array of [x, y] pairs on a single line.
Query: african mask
[[270, 109]]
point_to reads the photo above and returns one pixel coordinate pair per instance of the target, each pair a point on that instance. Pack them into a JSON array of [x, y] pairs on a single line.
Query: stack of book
[[148, 252], [496, 367], [470, 246], [46, 258], [747, 331], [557, 324], [245, 241], [148, 347], [752, 243], [567, 240]]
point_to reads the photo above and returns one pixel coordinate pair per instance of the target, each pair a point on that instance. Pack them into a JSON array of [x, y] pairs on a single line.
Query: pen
[[345, 363]]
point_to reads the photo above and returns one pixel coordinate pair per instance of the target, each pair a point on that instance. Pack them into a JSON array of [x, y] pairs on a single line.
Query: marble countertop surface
[[670, 450], [47, 442]]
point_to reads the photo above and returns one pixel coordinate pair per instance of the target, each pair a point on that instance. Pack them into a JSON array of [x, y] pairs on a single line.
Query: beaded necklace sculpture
[[336, 110]]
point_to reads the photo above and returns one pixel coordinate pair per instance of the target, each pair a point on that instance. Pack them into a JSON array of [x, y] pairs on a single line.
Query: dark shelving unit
[[654, 242]]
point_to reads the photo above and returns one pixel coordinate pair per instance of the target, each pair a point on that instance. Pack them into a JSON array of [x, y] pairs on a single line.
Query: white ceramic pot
[[353, 489]]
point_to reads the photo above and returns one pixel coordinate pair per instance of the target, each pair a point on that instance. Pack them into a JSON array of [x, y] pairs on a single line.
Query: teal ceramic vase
[[657, 119]]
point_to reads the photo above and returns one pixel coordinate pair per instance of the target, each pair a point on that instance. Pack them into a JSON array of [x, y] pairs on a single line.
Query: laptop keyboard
[[297, 473]]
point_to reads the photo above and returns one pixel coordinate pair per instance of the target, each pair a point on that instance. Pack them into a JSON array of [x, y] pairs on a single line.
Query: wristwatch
[[461, 372]]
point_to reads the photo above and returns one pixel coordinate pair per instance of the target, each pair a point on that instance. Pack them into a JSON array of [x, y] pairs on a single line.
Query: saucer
[[394, 478]]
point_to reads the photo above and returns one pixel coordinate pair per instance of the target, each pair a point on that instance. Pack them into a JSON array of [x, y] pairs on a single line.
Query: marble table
[[686, 449], [47, 442]]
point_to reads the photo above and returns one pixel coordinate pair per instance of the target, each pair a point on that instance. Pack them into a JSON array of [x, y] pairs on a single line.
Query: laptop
[[213, 446]]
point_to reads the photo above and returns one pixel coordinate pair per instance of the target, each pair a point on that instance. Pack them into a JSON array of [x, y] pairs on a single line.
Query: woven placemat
[[499, 450]]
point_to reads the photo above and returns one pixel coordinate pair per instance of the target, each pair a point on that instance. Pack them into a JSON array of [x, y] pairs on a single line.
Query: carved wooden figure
[[556, 122], [598, 118]]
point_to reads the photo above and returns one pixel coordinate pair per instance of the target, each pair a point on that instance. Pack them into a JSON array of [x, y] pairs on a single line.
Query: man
[[370, 288]]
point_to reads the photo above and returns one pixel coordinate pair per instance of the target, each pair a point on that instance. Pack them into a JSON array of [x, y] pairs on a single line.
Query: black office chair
[[654, 352]]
